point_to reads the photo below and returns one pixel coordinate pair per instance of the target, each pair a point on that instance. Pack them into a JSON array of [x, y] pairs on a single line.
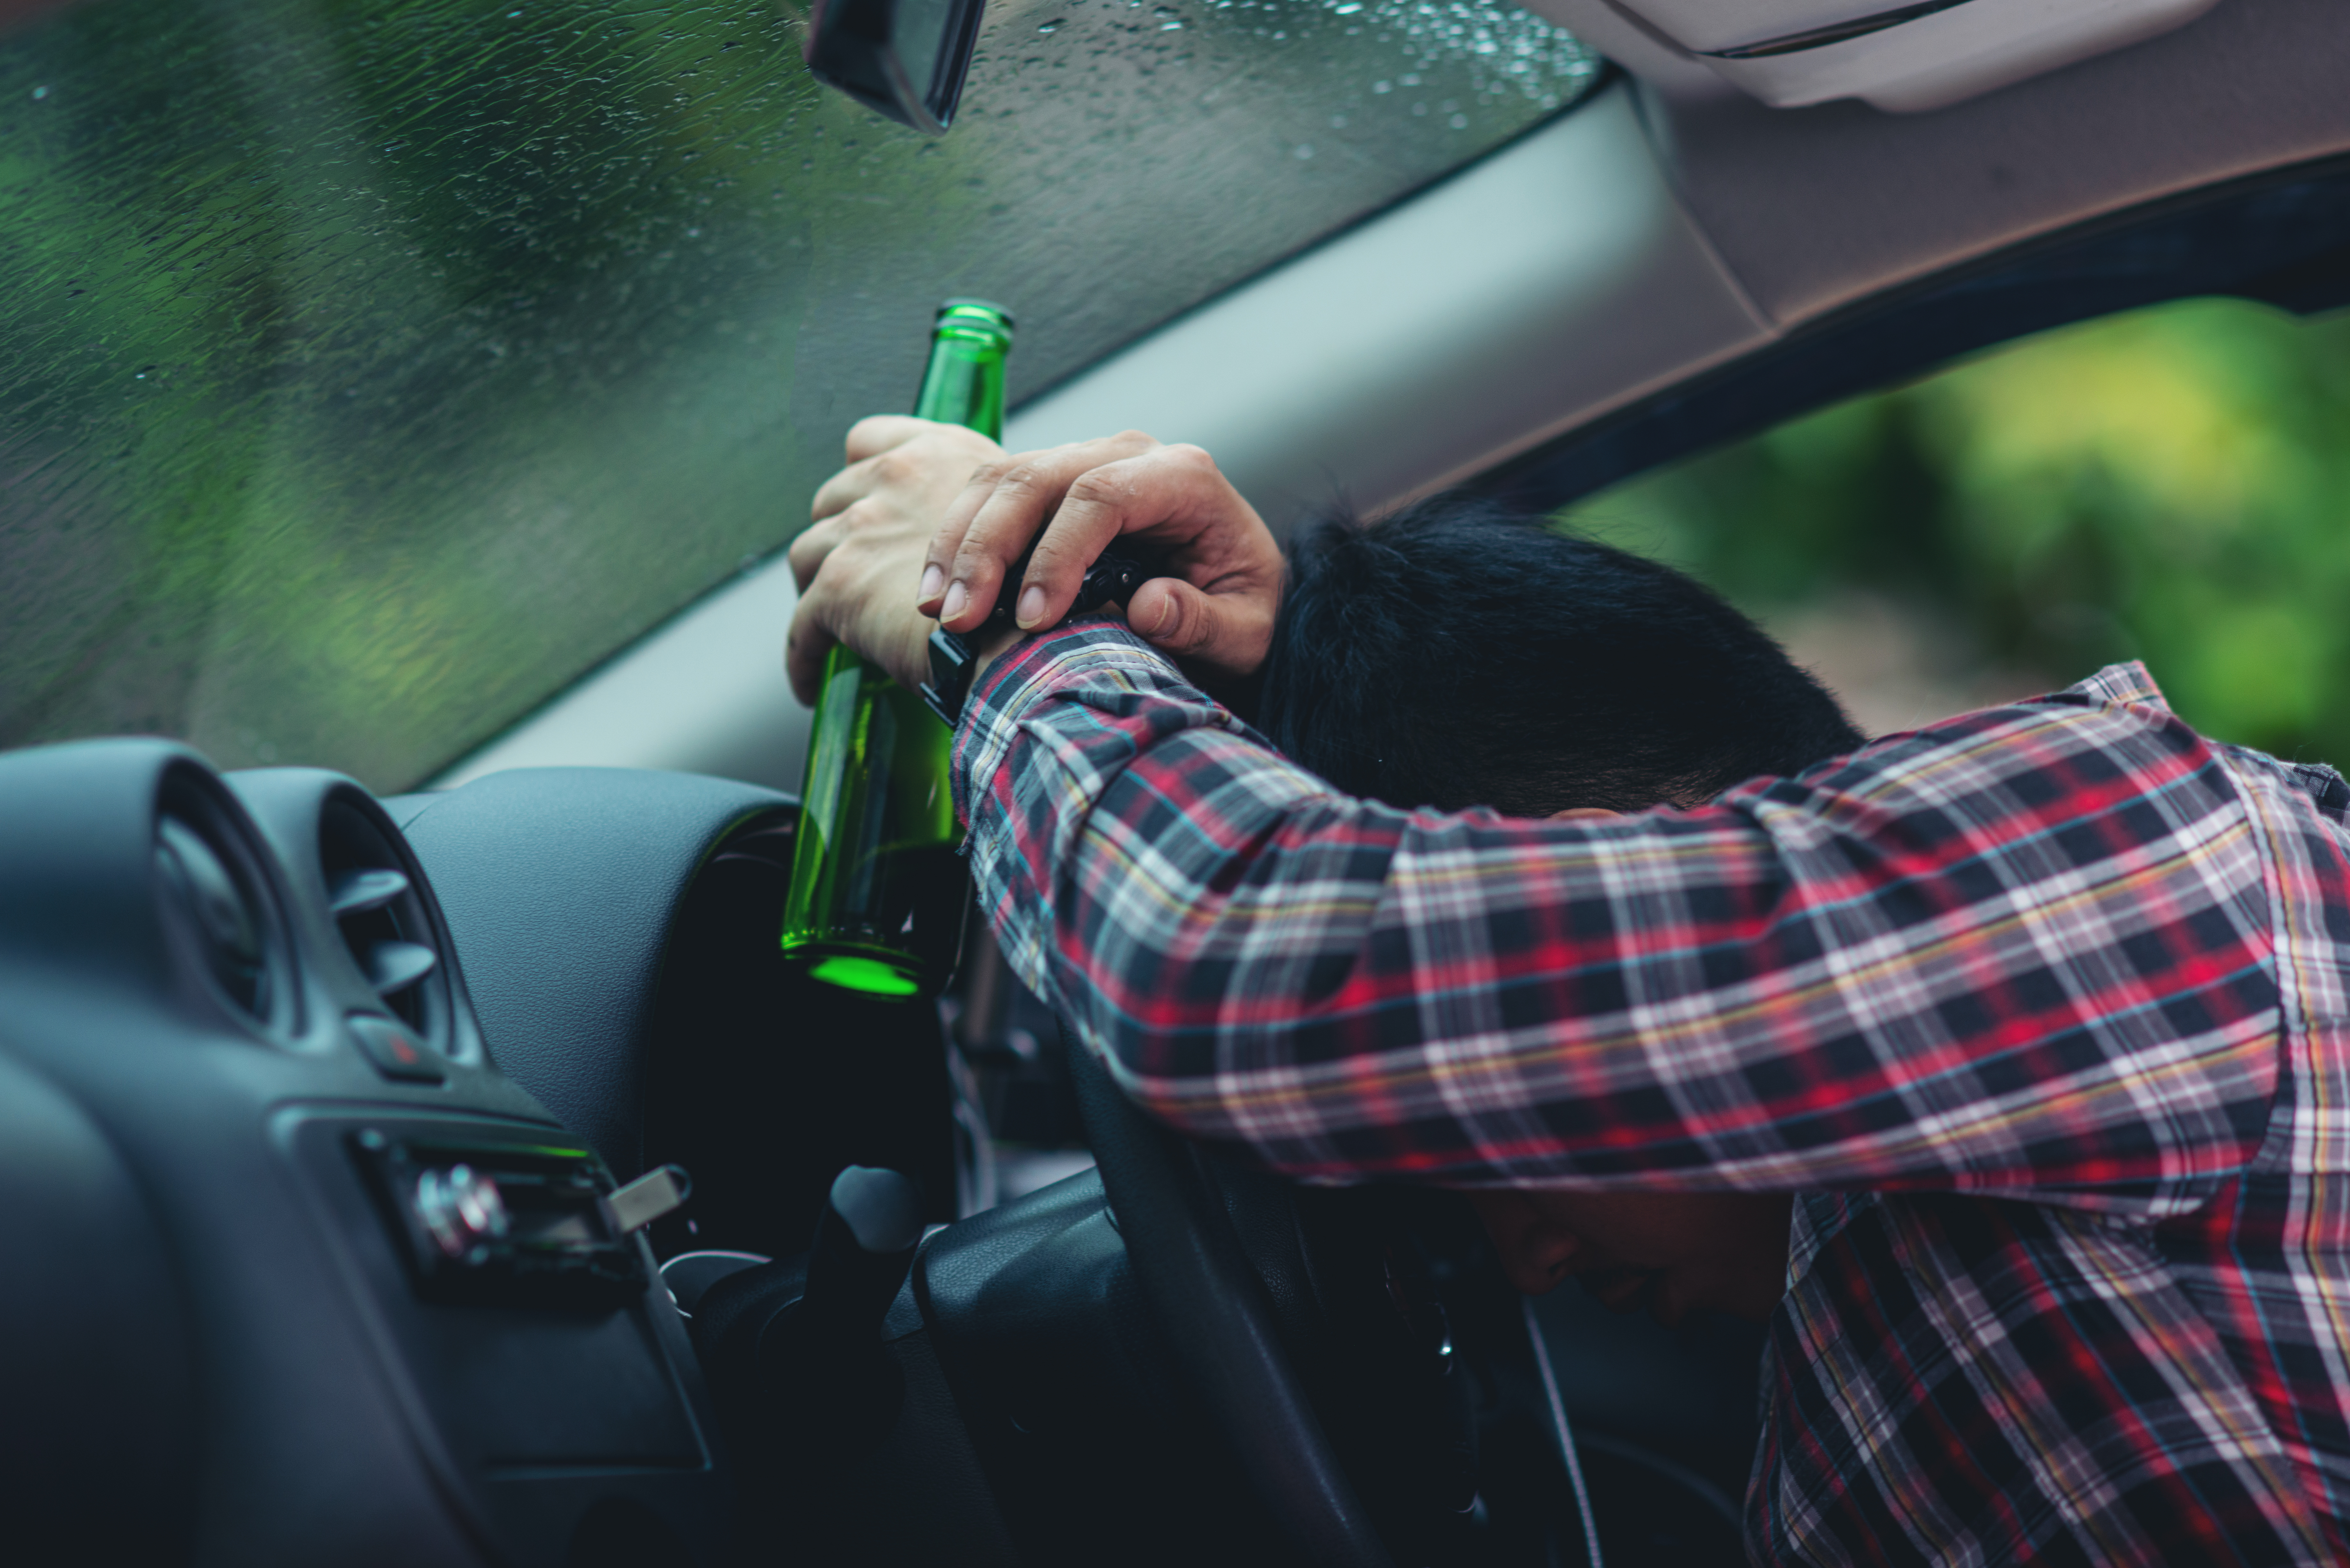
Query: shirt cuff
[[1028, 674]]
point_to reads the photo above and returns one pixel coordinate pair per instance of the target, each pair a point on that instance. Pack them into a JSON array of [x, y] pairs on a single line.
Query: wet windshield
[[372, 368]]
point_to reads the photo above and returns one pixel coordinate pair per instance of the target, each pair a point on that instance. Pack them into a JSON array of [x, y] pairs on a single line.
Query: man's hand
[[1213, 612], [858, 566]]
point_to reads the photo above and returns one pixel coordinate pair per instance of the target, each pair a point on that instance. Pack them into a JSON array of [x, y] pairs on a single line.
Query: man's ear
[[1575, 812]]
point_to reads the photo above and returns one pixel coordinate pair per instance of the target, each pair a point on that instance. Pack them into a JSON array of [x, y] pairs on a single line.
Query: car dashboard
[[324, 1249], [303, 1274]]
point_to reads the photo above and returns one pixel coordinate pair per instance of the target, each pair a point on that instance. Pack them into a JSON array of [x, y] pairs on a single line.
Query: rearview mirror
[[904, 58]]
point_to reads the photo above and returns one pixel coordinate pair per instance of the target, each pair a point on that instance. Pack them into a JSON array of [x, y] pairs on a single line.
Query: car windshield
[[374, 368]]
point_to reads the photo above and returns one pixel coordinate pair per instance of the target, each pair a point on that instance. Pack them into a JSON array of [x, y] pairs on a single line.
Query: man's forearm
[[1744, 995]]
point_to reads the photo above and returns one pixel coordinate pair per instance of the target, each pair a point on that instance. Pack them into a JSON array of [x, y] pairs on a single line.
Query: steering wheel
[[1251, 1274]]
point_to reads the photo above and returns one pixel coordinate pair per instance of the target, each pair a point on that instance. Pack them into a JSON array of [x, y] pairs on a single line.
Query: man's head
[[1457, 655]]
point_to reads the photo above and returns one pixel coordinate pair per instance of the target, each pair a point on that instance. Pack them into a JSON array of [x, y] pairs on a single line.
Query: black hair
[[1456, 654]]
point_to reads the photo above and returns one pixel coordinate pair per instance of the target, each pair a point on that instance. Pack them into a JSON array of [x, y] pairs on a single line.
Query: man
[[2041, 1014], [1456, 655]]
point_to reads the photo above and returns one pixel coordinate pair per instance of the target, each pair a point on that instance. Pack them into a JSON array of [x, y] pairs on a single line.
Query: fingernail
[[1031, 607], [1166, 616], [956, 599], [933, 580]]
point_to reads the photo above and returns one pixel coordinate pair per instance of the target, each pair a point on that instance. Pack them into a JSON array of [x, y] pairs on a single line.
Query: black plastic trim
[[2280, 239], [1839, 32]]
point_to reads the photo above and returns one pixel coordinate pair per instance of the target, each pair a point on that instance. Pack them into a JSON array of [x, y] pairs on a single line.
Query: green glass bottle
[[878, 891]]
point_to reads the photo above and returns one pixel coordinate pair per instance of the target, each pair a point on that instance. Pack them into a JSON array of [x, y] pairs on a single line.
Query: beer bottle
[[878, 891]]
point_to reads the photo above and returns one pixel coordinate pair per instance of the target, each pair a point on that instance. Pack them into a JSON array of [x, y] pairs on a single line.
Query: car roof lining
[[2281, 239], [1816, 209]]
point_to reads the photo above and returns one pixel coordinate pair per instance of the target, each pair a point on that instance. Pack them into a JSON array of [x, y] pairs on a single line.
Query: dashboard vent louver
[[390, 964], [373, 893], [219, 915], [216, 894]]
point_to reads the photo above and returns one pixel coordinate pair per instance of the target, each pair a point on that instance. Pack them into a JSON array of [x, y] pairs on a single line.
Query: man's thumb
[[1172, 616]]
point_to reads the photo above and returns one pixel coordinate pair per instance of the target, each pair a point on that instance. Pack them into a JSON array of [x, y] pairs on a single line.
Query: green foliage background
[[2171, 485]]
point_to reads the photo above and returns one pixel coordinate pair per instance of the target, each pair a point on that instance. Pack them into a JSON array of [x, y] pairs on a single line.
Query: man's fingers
[[1217, 616], [877, 433], [809, 551], [1161, 614], [883, 455], [993, 522], [946, 543], [1078, 533], [1224, 633], [843, 491], [1094, 507], [804, 654], [1023, 495], [1016, 494], [856, 564], [1126, 497], [879, 471], [1061, 508]]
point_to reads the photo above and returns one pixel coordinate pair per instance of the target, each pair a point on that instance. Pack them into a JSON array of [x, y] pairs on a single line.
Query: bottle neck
[[963, 384]]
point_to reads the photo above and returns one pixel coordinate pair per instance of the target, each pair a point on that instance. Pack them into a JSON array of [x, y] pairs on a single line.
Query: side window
[[373, 368], [2171, 485]]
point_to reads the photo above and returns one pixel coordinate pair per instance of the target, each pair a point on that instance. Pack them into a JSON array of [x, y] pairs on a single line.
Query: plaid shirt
[[2043, 1011]]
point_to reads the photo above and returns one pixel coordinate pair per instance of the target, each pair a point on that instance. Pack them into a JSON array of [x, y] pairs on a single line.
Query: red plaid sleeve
[[2024, 951]]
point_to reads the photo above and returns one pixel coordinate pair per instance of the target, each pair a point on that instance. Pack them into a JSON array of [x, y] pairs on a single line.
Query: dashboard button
[[395, 1050]]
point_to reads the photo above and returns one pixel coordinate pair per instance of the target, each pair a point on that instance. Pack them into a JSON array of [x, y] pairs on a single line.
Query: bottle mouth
[[974, 318]]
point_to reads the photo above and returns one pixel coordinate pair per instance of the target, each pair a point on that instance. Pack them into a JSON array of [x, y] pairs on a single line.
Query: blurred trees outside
[[2171, 485]]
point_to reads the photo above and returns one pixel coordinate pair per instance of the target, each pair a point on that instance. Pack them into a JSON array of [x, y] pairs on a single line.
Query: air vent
[[217, 901], [372, 889]]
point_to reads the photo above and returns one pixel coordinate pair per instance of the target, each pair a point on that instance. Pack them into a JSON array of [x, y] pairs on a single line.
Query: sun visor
[[1922, 55]]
